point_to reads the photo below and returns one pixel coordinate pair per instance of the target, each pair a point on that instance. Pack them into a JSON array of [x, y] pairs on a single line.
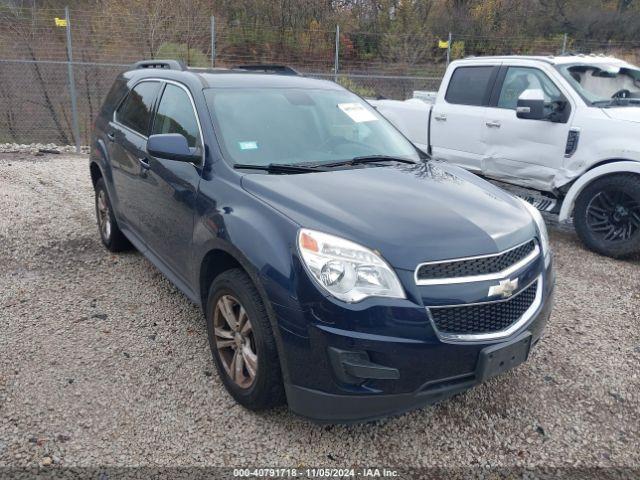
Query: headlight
[[346, 270], [542, 229]]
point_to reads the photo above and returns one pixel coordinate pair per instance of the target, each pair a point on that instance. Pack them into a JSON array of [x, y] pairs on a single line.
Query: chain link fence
[[49, 57]]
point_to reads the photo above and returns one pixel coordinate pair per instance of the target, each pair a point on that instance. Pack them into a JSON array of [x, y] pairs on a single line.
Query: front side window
[[519, 79], [469, 85], [135, 111], [603, 85], [260, 126], [176, 115]]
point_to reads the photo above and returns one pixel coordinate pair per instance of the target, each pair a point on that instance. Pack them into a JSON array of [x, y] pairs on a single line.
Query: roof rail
[[167, 64], [268, 68]]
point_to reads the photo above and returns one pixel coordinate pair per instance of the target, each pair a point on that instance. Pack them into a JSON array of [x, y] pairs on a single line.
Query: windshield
[[262, 126], [604, 84]]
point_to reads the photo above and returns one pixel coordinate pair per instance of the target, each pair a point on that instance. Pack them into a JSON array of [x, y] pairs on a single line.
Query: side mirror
[[531, 105], [172, 146]]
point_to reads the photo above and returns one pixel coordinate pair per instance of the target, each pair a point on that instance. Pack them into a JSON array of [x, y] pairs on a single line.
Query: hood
[[410, 213], [627, 114]]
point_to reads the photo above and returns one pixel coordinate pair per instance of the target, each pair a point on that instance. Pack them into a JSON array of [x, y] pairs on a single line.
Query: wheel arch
[[215, 262], [604, 168], [96, 172]]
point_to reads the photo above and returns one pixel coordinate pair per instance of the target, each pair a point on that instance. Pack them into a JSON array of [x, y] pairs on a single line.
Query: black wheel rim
[[613, 216]]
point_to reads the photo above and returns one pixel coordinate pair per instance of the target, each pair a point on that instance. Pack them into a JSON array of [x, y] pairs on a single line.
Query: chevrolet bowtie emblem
[[504, 289]]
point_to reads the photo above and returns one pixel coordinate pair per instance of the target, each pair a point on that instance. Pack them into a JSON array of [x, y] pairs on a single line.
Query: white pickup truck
[[565, 130]]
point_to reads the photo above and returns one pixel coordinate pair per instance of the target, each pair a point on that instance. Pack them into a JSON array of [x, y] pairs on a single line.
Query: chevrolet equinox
[[339, 269]]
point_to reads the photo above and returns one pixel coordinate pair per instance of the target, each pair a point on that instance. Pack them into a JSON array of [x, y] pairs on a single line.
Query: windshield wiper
[[279, 168], [368, 159]]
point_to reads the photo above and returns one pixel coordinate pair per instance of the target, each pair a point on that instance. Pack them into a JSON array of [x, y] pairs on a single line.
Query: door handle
[[111, 136], [144, 163], [493, 124], [441, 117]]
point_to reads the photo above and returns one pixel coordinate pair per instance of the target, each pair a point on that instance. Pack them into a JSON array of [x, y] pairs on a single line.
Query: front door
[[457, 119], [173, 185], [521, 151]]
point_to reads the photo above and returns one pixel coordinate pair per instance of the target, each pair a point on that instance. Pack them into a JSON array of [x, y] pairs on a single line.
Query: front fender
[[256, 235], [622, 166]]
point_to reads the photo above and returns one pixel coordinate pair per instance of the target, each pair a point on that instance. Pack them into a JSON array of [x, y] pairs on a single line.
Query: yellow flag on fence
[[61, 22], [443, 44]]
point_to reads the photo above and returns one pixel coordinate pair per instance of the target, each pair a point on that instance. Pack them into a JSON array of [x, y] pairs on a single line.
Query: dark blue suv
[[339, 269]]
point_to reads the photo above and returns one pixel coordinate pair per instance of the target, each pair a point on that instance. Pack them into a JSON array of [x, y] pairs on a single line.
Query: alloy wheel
[[104, 218], [235, 341], [613, 215]]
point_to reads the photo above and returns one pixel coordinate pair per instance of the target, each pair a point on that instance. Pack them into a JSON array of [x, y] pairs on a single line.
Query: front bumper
[[325, 407], [429, 368]]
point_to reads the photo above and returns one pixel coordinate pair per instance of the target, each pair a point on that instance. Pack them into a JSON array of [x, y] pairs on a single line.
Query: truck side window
[[519, 79], [135, 111], [175, 115], [469, 85]]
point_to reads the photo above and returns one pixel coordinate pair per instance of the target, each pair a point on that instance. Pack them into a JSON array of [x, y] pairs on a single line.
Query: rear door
[[521, 151], [457, 119], [127, 136], [172, 186]]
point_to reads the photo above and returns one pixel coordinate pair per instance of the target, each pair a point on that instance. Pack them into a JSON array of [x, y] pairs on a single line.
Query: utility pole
[[564, 44], [449, 49], [72, 83], [213, 41], [335, 60]]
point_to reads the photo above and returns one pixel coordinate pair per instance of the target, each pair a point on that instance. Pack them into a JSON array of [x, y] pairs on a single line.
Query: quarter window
[[519, 79], [175, 115], [470, 85], [135, 111]]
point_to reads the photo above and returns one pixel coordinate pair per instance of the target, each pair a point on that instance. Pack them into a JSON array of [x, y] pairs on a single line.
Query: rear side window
[[470, 85], [175, 115], [135, 111]]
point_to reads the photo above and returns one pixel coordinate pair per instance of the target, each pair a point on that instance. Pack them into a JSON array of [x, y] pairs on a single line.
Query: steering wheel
[[622, 93]]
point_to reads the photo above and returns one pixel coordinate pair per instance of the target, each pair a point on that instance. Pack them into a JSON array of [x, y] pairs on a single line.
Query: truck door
[[457, 119], [521, 151]]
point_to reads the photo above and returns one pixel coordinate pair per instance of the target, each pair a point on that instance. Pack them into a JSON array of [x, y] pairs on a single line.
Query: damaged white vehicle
[[564, 130]]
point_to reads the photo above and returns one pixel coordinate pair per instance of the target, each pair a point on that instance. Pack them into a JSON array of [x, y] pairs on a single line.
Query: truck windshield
[[262, 126], [604, 85]]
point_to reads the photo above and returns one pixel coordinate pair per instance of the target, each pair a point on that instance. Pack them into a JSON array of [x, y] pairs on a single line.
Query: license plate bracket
[[499, 358]]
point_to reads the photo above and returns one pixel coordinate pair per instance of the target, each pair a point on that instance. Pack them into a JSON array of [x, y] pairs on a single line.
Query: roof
[[558, 59], [240, 76]]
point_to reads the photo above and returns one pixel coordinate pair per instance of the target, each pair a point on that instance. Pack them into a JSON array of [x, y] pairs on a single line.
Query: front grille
[[475, 266], [484, 317]]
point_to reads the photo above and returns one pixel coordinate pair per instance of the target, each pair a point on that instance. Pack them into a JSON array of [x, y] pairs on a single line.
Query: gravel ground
[[104, 362]]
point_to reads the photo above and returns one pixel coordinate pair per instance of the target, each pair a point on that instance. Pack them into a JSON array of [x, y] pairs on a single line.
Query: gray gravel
[[104, 362]]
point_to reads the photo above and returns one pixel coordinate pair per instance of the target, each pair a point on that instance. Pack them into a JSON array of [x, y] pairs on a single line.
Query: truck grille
[[484, 317], [474, 266]]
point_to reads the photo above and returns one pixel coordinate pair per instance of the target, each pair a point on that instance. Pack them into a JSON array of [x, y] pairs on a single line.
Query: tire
[[234, 289], [111, 236], [607, 215]]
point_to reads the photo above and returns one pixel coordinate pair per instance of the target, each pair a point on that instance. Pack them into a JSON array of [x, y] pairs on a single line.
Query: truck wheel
[[242, 343], [111, 236], [607, 215]]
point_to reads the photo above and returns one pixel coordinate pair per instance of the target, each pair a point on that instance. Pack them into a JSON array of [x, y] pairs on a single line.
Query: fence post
[[72, 83], [449, 50], [213, 41], [335, 60], [564, 44]]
